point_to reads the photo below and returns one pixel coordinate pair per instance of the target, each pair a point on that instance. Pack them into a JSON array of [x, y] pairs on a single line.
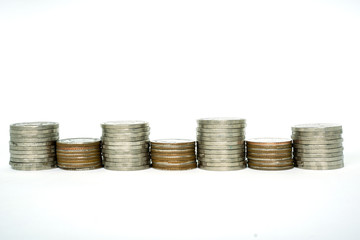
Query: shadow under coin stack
[[79, 153], [173, 154], [126, 145], [269, 153], [32, 145], [221, 145], [318, 146]]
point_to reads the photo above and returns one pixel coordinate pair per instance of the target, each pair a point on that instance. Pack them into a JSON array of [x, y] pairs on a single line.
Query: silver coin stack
[[32, 145], [318, 146], [125, 145], [221, 143]]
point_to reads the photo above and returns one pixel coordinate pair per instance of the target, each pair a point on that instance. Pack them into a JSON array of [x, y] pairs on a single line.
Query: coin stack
[[32, 145], [221, 145], [126, 145], [269, 153], [79, 153], [318, 146], [173, 154]]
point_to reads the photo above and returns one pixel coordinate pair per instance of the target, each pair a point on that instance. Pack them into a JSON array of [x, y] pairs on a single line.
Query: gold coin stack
[[173, 154], [79, 153], [270, 153]]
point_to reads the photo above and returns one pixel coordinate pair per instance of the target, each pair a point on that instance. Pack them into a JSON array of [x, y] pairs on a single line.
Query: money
[[125, 145], [173, 154], [32, 145], [220, 143], [269, 153], [79, 153], [318, 146]]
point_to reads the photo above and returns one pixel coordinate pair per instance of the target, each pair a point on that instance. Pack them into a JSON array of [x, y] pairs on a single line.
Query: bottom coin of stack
[[269, 153], [173, 154], [318, 146], [79, 153]]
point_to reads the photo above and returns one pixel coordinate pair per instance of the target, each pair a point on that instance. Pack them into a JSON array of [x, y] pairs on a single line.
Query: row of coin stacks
[[220, 146]]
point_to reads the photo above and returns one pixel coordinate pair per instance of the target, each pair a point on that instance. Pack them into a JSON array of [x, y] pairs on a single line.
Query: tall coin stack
[[269, 153], [173, 154], [32, 145], [79, 153], [126, 145], [318, 146], [221, 145]]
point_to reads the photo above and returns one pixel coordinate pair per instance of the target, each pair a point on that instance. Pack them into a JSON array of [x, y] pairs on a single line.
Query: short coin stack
[[32, 145], [126, 145], [269, 153], [173, 154], [318, 146], [221, 145], [79, 153]]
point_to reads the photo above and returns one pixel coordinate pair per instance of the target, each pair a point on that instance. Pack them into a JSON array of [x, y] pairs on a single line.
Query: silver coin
[[32, 160], [34, 125], [140, 161], [184, 147], [319, 164], [219, 139], [223, 164], [269, 159], [221, 135], [174, 141], [268, 141], [274, 168], [81, 168], [172, 151], [129, 155], [222, 168], [33, 140], [32, 144], [126, 164], [315, 137], [126, 130], [221, 147], [221, 130], [317, 146], [319, 151], [221, 120], [32, 152], [129, 147], [221, 152], [121, 152], [319, 159], [332, 167], [208, 143], [325, 155], [108, 140], [32, 148], [47, 135], [33, 155], [175, 164], [125, 124], [318, 142], [220, 156], [163, 156], [222, 126], [34, 131], [126, 135], [74, 141], [124, 143], [127, 168], [317, 127], [32, 166]]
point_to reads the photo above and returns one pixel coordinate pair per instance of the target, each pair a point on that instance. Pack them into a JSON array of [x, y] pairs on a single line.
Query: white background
[[275, 63]]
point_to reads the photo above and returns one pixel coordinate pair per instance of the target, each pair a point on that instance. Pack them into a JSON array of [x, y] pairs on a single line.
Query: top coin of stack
[[221, 144], [269, 153], [173, 154], [126, 145], [79, 153], [32, 145], [318, 146]]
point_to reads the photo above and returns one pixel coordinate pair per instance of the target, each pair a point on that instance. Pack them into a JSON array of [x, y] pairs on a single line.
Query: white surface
[[275, 63]]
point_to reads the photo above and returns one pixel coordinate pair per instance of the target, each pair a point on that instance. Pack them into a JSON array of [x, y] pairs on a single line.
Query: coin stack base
[[173, 154], [221, 145], [318, 146], [269, 153], [79, 153], [32, 145], [126, 145]]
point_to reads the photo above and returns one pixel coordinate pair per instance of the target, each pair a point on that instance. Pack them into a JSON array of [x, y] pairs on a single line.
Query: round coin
[[34, 125], [125, 124], [317, 127]]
